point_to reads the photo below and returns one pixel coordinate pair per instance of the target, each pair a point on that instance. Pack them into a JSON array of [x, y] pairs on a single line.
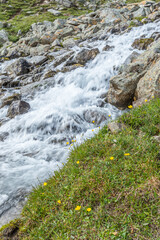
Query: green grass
[[123, 193], [23, 14]]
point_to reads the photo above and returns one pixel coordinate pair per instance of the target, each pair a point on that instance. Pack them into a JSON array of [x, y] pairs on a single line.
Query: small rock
[[17, 108], [157, 138], [116, 127], [107, 48], [54, 12], [3, 136]]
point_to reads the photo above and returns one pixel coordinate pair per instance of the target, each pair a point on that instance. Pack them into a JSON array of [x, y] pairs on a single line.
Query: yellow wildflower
[[77, 162], [152, 96], [130, 106], [145, 100], [44, 183], [59, 201], [78, 208], [88, 209], [111, 158], [126, 154]]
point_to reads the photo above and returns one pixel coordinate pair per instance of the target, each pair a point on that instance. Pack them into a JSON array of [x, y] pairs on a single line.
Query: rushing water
[[36, 144]]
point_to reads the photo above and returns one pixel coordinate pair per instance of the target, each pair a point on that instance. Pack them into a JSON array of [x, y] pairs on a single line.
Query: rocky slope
[[62, 45], [52, 41]]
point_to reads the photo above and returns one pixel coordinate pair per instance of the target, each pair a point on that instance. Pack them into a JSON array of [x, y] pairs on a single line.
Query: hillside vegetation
[[109, 188]]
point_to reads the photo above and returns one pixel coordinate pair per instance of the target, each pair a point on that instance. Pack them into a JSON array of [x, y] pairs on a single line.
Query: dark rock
[[86, 55], [94, 115], [19, 67], [142, 43], [4, 81], [3, 136], [107, 48], [17, 108]]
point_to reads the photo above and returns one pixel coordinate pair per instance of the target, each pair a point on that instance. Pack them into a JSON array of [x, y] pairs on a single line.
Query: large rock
[[122, 89], [10, 99], [140, 79], [18, 67], [140, 12], [17, 108], [142, 43], [149, 84], [85, 55]]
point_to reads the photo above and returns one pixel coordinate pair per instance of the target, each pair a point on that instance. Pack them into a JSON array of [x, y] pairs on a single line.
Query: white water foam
[[36, 144]]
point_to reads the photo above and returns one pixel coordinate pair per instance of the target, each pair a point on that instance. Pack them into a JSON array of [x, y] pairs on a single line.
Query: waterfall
[[37, 142]]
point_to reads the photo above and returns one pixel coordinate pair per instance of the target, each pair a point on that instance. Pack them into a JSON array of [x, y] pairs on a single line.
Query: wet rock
[[3, 136], [122, 89], [86, 55], [94, 115], [37, 60], [5, 81], [10, 99], [3, 37], [62, 58], [19, 67], [4, 120], [17, 108], [131, 58], [142, 43], [70, 68], [115, 127], [107, 48], [48, 74]]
